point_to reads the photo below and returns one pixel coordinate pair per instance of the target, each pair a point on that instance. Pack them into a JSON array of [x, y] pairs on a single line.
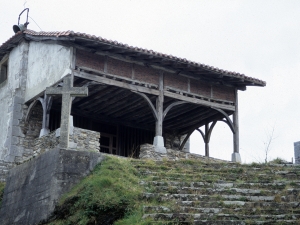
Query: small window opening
[[3, 71]]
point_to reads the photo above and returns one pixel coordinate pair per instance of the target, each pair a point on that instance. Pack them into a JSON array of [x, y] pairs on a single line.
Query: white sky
[[258, 38]]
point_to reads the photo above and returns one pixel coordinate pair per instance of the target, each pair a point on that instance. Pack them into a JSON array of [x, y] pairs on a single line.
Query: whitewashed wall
[[9, 91], [47, 64]]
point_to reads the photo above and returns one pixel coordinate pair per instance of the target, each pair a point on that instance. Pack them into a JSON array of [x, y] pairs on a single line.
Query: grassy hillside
[[107, 196]]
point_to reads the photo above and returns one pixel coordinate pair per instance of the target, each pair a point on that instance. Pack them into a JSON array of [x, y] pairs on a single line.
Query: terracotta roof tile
[[70, 33]]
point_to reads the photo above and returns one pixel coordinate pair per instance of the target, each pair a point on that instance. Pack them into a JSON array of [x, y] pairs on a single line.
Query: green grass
[[109, 194], [2, 185]]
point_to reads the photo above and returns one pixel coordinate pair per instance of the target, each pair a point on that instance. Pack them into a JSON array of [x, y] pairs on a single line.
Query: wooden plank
[[114, 83], [199, 101]]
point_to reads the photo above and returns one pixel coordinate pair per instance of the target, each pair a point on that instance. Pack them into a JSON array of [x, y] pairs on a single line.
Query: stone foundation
[[33, 189], [297, 152], [173, 141], [147, 151], [80, 140]]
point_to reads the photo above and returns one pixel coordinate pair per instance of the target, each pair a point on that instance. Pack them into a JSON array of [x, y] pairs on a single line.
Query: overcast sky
[[258, 38]]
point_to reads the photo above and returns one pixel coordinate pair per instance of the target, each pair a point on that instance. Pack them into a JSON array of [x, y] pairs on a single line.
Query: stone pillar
[[297, 152]]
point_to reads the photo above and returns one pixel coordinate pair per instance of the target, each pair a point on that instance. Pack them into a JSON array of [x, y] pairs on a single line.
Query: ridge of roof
[[19, 35]]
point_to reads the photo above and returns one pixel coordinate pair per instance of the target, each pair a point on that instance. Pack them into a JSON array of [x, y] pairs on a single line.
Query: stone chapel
[[118, 97]]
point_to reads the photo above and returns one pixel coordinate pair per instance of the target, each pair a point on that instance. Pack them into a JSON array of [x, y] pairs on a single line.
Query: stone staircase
[[203, 192]]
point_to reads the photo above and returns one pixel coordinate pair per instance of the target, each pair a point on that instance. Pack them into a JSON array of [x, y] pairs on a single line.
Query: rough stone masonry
[[34, 187], [297, 152]]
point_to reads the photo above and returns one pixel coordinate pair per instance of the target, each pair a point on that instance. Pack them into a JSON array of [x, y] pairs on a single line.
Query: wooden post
[[160, 107], [236, 125], [206, 141], [67, 92], [235, 157], [158, 141]]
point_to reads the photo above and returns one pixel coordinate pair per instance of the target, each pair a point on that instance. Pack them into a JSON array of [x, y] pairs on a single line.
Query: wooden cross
[[67, 92]]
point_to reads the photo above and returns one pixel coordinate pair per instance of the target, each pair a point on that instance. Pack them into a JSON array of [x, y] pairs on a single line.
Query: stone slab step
[[190, 178], [198, 197], [240, 203], [276, 185], [211, 191], [164, 209], [224, 222], [241, 209], [205, 216]]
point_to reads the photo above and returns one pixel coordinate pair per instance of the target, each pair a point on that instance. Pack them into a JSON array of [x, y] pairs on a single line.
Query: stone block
[[297, 152], [158, 143], [16, 122], [33, 187], [16, 131], [44, 131], [18, 100], [236, 157], [17, 108]]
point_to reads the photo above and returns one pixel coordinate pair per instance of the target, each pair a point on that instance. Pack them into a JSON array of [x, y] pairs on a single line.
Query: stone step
[[275, 185], [218, 168], [164, 209], [236, 203], [241, 222], [224, 222], [236, 210], [211, 191], [186, 217], [262, 177], [199, 197]]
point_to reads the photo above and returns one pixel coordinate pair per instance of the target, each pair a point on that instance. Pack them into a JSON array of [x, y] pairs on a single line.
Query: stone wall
[[147, 151], [4, 168], [80, 140], [11, 101], [297, 152], [33, 188], [172, 141]]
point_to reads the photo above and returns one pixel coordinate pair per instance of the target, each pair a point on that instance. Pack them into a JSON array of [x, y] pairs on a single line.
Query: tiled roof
[[71, 34]]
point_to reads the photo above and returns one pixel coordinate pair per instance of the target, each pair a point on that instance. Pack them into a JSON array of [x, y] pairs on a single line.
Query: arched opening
[[33, 120]]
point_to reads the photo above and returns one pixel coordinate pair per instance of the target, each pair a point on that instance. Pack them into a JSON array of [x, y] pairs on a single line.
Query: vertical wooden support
[[160, 106], [158, 141], [236, 124], [235, 157], [206, 139]]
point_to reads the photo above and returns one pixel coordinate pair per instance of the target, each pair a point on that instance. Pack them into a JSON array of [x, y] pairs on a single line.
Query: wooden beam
[[153, 110], [112, 82], [199, 101], [229, 122]]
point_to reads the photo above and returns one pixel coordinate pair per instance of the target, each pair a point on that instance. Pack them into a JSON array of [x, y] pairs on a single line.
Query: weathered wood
[[124, 108], [199, 101], [210, 116], [171, 106], [229, 122], [160, 106], [190, 118], [153, 110], [67, 92], [206, 139], [46, 104], [115, 83], [236, 140]]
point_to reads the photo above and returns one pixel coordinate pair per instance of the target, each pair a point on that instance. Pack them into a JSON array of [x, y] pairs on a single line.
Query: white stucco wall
[[8, 90], [47, 64]]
